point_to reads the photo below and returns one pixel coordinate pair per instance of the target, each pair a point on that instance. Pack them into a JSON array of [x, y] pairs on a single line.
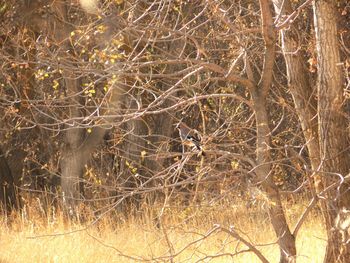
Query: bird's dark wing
[[195, 138]]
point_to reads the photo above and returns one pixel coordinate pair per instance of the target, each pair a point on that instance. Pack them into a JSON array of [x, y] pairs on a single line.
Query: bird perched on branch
[[190, 137]]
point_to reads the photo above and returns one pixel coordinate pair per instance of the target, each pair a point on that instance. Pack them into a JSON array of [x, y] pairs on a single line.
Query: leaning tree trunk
[[303, 93], [299, 83], [334, 143]]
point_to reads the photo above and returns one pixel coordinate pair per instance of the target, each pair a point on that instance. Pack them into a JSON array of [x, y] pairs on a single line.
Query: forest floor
[[185, 235]]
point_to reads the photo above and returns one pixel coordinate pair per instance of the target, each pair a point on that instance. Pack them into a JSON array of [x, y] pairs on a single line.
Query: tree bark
[[73, 160], [72, 157], [78, 145], [334, 141], [304, 95], [264, 174]]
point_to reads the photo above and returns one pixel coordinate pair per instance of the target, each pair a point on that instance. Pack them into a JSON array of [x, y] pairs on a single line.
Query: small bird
[[190, 137]]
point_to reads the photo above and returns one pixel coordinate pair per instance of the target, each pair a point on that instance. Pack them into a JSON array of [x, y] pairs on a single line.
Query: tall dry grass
[[183, 235]]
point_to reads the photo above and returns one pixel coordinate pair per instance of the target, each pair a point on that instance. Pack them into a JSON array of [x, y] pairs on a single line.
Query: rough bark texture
[[333, 135]]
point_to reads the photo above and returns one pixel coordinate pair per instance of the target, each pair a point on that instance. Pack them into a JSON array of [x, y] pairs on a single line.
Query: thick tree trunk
[[333, 135], [78, 145], [72, 163], [72, 156]]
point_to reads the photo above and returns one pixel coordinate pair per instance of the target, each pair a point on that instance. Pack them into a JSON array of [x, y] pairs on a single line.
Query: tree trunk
[[72, 163], [72, 156], [333, 135], [304, 96], [264, 174], [78, 145]]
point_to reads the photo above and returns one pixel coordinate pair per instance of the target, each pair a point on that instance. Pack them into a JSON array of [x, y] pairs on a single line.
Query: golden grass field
[[33, 237]]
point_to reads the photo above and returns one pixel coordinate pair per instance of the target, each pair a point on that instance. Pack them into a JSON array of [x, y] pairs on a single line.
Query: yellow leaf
[[101, 28], [56, 84]]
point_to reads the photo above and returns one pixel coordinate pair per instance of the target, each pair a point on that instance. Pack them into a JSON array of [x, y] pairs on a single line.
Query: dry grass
[[38, 238]]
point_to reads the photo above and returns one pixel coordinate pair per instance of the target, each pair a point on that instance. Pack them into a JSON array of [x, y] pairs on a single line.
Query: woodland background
[[91, 91]]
